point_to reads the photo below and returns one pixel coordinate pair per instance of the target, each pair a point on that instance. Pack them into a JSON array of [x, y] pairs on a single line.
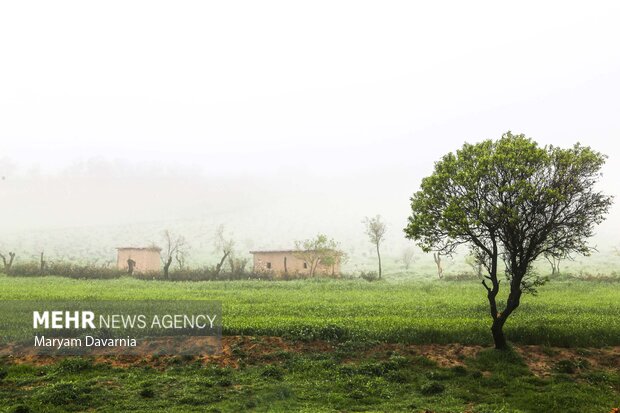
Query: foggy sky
[[313, 114]]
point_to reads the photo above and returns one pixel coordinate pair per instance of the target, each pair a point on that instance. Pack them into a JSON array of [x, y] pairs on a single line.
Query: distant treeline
[[106, 272], [94, 272]]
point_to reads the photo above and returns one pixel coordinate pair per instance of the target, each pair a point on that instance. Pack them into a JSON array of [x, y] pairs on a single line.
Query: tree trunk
[[379, 256], [499, 319], [131, 264], [437, 258], [498, 334], [8, 264], [514, 299], [313, 267], [42, 263], [167, 267], [218, 267]]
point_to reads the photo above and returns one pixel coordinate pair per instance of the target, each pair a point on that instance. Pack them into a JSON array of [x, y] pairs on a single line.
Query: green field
[[344, 345], [564, 314]]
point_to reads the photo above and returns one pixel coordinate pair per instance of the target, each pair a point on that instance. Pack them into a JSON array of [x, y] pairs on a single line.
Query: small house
[[139, 260], [296, 262]]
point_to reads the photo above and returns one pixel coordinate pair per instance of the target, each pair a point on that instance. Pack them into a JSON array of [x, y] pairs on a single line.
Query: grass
[[354, 371], [316, 381], [573, 313]]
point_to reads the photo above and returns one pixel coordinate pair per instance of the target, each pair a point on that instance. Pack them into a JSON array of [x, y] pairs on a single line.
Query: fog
[[278, 120]]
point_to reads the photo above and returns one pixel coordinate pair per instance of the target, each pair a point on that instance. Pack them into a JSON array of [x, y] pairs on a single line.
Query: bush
[[89, 271], [572, 366], [461, 277], [92, 271], [369, 276], [74, 365], [66, 393]]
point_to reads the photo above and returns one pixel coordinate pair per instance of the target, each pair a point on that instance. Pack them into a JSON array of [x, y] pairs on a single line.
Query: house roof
[[140, 248], [272, 251], [281, 251]]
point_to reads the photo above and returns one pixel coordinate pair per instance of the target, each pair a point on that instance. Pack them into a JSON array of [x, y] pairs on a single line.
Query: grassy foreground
[[284, 377], [564, 314], [335, 345]]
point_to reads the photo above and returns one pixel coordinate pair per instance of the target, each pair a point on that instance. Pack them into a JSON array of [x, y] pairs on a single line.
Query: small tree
[[554, 262], [181, 257], [318, 250], [475, 265], [437, 259], [237, 264], [174, 248], [375, 229], [333, 256], [407, 257], [514, 201], [225, 246], [131, 265], [8, 263], [42, 262]]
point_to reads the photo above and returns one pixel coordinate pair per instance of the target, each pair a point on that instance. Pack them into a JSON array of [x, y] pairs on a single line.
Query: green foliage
[[20, 408], [526, 199], [273, 372], [147, 392], [432, 388], [72, 394], [572, 366], [369, 276], [319, 250], [74, 365], [375, 229]]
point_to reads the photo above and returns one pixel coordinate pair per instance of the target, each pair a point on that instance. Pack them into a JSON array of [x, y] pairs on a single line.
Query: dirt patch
[[542, 361], [448, 355], [235, 350], [445, 355]]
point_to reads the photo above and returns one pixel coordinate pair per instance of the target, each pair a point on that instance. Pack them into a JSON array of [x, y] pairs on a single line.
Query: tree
[[42, 262], [554, 262], [224, 246], [407, 257], [514, 201], [237, 264], [437, 259], [475, 265], [318, 250], [131, 265], [174, 248], [181, 257], [7, 263], [375, 229]]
